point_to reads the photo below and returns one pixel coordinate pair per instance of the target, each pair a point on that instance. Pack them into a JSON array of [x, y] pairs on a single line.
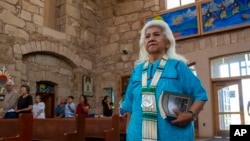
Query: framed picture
[[124, 83], [183, 21], [87, 86], [220, 15], [170, 101]]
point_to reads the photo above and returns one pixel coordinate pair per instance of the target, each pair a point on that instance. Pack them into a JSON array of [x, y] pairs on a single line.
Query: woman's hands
[[183, 118]]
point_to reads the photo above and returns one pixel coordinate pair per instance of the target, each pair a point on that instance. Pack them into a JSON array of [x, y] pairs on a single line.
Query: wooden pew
[[16, 129], [123, 127], [105, 128], [59, 129], [79, 133], [53, 129], [123, 124], [124, 121]]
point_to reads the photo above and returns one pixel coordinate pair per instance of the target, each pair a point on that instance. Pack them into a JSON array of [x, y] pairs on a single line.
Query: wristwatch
[[193, 115]]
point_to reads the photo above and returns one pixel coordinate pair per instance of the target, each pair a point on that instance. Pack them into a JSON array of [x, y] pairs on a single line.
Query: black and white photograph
[[87, 86], [172, 101]]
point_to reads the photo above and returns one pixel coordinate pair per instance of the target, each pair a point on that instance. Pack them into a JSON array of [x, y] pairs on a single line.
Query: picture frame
[[221, 15], [87, 86], [183, 21], [171, 100], [124, 80]]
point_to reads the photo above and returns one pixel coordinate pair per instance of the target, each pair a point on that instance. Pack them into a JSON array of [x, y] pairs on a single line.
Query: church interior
[[64, 48]]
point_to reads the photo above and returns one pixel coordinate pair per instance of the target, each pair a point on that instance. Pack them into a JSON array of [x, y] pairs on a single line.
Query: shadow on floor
[[218, 139]]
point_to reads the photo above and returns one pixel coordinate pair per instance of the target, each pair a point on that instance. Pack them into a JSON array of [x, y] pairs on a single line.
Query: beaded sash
[[149, 111]]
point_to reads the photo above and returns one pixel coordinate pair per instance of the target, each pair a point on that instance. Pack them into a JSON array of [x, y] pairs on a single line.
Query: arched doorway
[[46, 90]]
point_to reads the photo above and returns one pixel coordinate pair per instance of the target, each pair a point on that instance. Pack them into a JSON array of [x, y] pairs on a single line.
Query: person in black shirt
[[107, 106], [25, 101]]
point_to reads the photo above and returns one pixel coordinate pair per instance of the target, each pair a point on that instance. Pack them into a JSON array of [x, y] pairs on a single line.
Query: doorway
[[231, 99], [47, 92], [48, 99]]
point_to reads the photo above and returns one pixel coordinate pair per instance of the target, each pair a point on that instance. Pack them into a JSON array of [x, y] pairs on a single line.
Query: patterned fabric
[[176, 77], [149, 111]]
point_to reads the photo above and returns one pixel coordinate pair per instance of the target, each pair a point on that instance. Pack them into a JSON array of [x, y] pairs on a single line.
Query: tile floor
[[216, 138]]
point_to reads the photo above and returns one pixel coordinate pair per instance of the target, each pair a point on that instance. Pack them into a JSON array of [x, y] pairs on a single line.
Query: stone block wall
[[120, 24], [31, 51]]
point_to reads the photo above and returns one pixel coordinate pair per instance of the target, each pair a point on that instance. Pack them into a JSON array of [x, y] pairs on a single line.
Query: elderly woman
[[158, 69]]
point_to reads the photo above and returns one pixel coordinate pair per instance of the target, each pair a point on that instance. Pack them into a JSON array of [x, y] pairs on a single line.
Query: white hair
[[10, 82], [170, 52]]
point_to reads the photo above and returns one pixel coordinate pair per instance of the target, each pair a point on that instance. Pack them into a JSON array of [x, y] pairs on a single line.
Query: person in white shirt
[[38, 108]]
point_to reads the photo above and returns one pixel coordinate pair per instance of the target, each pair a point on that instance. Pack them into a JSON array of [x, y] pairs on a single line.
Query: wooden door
[[49, 100], [228, 105]]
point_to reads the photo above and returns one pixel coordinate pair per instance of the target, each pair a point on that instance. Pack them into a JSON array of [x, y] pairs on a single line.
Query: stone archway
[[53, 48], [65, 77]]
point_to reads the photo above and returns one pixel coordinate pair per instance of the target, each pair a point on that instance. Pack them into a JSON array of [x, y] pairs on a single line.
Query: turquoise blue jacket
[[176, 77]]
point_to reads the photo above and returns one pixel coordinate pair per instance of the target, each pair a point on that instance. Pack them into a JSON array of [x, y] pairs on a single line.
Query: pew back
[[79, 133], [123, 124], [8, 127], [54, 129], [17, 129], [103, 128]]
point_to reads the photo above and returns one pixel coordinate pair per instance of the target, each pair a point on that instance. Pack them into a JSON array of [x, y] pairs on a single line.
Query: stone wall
[[120, 23], [33, 52]]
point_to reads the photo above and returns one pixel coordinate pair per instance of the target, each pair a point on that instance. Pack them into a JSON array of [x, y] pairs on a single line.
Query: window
[[231, 66], [54, 15], [169, 4], [109, 92], [192, 68]]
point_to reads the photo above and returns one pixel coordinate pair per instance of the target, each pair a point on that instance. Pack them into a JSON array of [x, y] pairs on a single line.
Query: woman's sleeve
[[190, 83], [30, 100], [128, 98], [42, 106]]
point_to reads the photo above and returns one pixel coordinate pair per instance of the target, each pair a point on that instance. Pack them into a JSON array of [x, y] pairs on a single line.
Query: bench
[[16, 129], [51, 129], [123, 126], [79, 133], [63, 129], [104, 128], [59, 129]]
